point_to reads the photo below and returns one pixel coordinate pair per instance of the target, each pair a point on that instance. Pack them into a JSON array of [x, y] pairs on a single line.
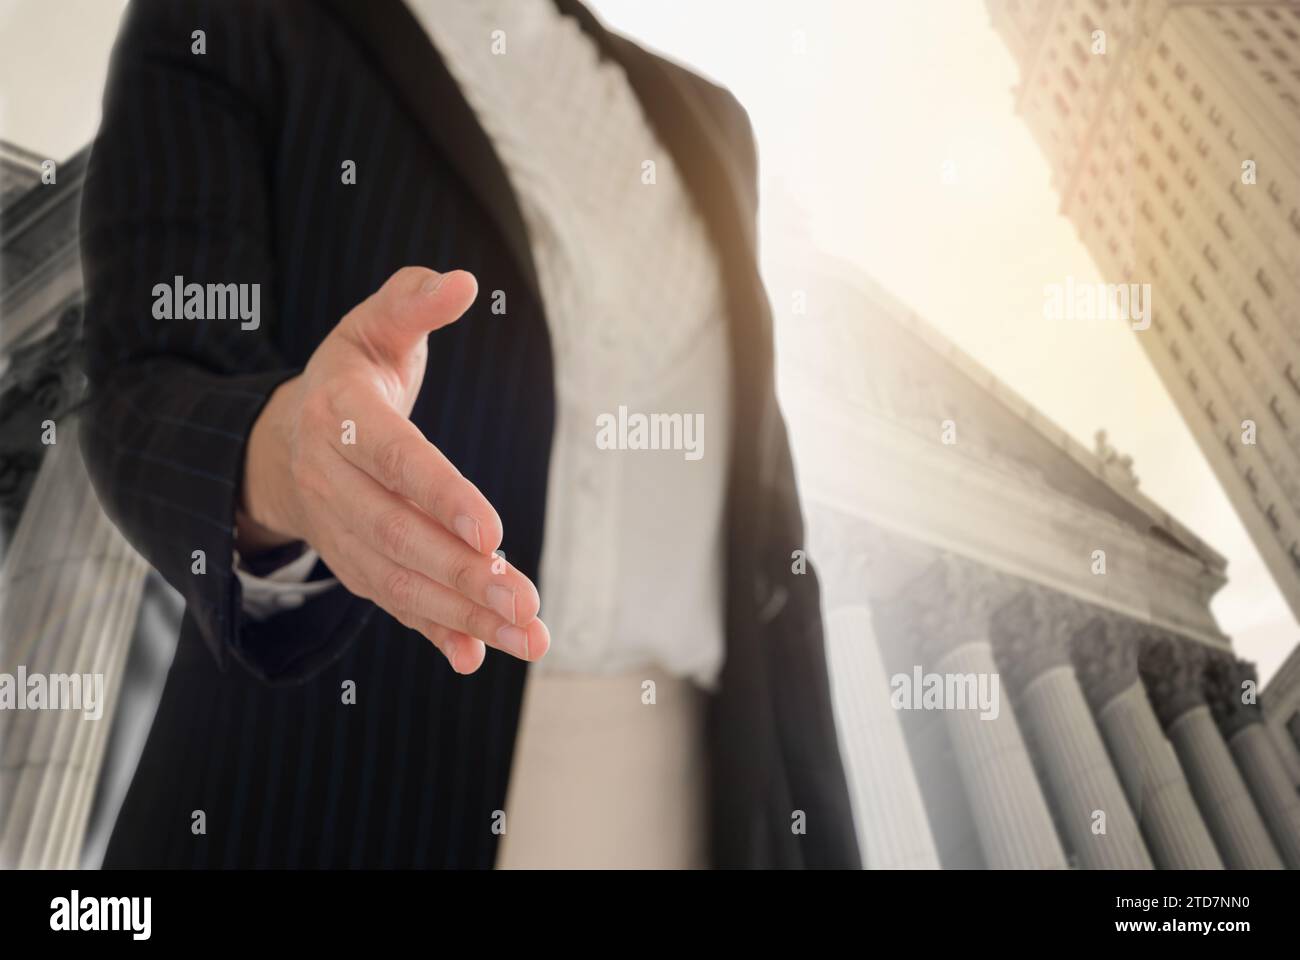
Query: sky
[[891, 126]]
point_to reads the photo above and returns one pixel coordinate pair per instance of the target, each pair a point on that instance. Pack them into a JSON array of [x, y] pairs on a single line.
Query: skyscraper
[[1173, 132]]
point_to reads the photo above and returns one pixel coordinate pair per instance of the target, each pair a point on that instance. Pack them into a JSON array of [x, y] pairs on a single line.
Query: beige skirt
[[608, 772]]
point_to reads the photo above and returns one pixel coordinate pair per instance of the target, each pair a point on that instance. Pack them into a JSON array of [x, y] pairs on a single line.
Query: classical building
[[1089, 711], [1173, 132], [1282, 711], [70, 585], [960, 535]]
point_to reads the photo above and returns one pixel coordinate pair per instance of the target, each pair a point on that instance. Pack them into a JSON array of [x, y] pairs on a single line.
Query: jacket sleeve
[[178, 187]]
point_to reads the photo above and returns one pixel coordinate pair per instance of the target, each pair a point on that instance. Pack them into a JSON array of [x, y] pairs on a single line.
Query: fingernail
[[432, 283], [467, 530], [502, 600], [514, 641]]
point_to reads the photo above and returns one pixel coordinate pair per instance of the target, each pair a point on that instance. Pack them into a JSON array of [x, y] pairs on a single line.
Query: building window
[[1276, 407], [1292, 377]]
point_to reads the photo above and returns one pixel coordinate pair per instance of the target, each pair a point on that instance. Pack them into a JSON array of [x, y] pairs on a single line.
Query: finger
[[411, 597], [411, 304], [399, 530], [464, 653], [393, 451]]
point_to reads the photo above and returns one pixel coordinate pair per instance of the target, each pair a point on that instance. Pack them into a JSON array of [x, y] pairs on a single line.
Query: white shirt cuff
[[284, 589]]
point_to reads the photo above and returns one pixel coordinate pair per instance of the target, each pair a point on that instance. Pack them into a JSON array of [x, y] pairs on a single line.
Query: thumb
[[411, 304]]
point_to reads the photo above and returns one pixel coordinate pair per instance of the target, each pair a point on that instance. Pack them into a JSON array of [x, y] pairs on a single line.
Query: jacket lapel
[[401, 50]]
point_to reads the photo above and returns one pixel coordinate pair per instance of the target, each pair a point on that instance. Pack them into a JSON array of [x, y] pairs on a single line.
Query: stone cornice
[[949, 499]]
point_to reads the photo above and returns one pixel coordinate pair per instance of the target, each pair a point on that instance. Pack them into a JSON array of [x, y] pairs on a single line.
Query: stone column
[[69, 595], [1232, 689], [1105, 655], [892, 827], [1285, 747], [947, 610], [893, 830], [1031, 641], [1173, 671]]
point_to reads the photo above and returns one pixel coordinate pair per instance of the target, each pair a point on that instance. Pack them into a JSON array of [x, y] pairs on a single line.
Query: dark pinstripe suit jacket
[[226, 167]]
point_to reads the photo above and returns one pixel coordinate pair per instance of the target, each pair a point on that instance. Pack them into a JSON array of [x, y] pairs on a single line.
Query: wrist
[[262, 520]]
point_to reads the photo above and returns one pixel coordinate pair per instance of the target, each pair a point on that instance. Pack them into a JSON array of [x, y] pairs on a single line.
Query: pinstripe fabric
[[225, 167], [181, 184]]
